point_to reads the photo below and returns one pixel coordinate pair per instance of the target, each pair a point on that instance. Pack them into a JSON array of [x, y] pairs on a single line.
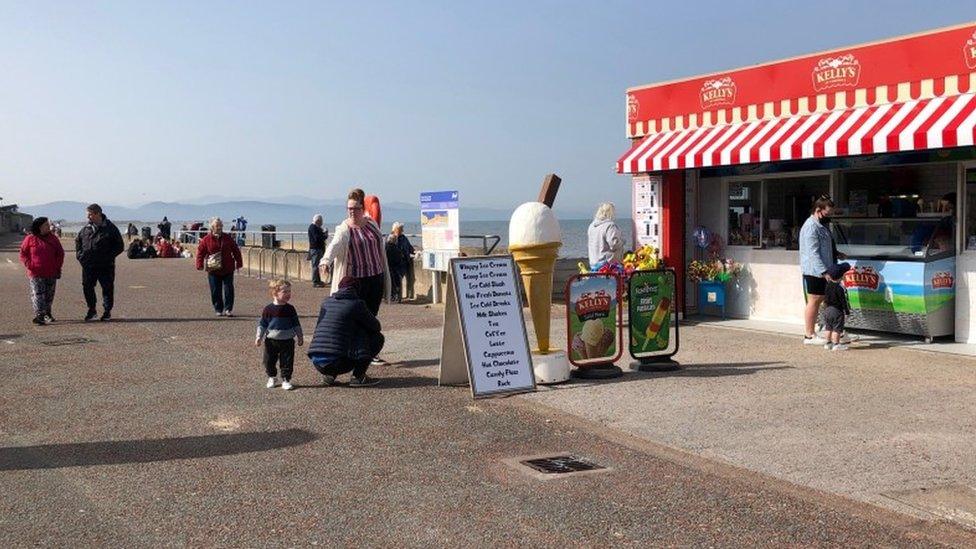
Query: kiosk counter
[[903, 273]]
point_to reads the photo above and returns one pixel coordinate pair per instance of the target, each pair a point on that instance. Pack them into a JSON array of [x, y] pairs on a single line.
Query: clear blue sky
[[128, 102]]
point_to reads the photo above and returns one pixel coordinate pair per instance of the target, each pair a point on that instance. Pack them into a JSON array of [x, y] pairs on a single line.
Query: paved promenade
[[156, 429]]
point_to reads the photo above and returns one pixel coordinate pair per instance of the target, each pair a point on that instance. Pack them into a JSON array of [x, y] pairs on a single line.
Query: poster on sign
[[651, 298], [484, 340], [592, 318], [439, 228]]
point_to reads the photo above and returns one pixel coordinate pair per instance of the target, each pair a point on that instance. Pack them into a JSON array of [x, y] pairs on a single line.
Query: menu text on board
[[493, 326]]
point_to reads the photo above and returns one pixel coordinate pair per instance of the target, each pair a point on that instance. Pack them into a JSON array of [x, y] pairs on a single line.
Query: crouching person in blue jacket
[[347, 337]]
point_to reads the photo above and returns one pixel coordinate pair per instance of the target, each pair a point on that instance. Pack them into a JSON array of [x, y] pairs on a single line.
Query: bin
[[268, 237]]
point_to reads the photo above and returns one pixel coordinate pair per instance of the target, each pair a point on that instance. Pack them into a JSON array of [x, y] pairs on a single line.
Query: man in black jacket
[[316, 248], [165, 228], [347, 337], [96, 246]]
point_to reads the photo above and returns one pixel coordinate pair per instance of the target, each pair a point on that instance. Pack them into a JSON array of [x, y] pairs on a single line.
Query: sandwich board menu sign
[[484, 341]]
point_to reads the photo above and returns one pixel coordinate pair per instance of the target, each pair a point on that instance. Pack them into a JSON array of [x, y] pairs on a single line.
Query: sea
[[574, 232]]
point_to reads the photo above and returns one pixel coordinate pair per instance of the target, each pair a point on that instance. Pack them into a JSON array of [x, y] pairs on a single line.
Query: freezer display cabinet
[[903, 275]]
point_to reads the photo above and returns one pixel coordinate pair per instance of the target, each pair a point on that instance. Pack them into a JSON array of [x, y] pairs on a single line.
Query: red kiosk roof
[[939, 122], [938, 63]]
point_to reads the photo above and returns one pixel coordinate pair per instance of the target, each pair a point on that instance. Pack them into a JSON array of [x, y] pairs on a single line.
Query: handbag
[[215, 262]]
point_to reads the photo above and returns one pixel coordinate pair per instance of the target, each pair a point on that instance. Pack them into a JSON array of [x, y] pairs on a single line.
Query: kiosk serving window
[[745, 213], [788, 202]]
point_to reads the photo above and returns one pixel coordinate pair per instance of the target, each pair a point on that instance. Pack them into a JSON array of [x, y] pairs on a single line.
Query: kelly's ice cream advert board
[[650, 294], [593, 317]]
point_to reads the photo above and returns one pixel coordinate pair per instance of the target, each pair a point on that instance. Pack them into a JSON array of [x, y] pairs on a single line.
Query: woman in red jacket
[[42, 254], [220, 272]]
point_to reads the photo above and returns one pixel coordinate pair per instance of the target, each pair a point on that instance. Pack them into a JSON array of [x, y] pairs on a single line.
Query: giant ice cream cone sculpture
[[534, 239]]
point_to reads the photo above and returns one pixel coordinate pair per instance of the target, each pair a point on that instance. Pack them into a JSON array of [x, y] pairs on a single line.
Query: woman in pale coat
[[605, 241], [357, 250]]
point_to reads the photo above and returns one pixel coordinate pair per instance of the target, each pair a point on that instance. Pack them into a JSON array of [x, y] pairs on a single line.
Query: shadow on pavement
[[114, 452], [719, 369], [214, 318], [385, 383], [687, 370], [419, 363]]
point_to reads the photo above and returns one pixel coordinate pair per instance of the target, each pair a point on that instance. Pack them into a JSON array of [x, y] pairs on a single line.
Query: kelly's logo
[[969, 51], [593, 305], [633, 105], [942, 280], [718, 92], [836, 72], [862, 277]]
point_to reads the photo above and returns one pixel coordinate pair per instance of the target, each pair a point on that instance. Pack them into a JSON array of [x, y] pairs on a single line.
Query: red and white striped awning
[[935, 123]]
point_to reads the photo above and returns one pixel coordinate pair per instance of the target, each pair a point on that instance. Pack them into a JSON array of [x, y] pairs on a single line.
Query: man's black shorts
[[815, 285]]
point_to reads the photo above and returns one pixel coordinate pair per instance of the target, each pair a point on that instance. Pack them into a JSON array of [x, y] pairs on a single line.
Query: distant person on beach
[[220, 256], [317, 237], [131, 232], [396, 262], [97, 245], [42, 255], [240, 227], [164, 249], [279, 328], [605, 241], [347, 336], [406, 248], [165, 228]]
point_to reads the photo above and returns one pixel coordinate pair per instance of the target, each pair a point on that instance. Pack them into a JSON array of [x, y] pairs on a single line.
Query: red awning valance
[[936, 123]]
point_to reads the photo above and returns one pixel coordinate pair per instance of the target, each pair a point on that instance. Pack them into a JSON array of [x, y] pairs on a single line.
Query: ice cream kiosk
[[887, 129]]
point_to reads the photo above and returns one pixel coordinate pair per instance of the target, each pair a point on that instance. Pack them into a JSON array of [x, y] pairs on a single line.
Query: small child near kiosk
[[836, 307], [279, 327]]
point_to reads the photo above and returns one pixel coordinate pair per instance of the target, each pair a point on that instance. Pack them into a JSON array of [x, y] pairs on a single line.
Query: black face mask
[[825, 220]]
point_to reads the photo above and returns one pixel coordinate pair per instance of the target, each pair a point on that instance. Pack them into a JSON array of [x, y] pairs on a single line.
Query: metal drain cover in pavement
[[556, 465], [60, 342]]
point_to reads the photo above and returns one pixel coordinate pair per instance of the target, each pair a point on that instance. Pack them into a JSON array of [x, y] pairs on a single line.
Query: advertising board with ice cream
[[592, 316]]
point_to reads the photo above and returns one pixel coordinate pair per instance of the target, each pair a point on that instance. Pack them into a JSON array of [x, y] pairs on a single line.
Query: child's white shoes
[[840, 347], [286, 385], [271, 383]]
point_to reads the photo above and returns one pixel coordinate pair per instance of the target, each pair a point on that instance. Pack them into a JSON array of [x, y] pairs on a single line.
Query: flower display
[[714, 270], [644, 258]]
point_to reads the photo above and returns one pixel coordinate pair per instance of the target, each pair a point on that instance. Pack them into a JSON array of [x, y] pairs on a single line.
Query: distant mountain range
[[292, 209]]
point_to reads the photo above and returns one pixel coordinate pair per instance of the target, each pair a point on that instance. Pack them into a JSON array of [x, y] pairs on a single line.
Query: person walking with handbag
[[43, 256], [219, 255], [97, 245], [316, 248]]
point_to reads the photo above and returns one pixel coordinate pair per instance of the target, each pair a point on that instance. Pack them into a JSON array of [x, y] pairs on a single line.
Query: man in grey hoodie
[[605, 241]]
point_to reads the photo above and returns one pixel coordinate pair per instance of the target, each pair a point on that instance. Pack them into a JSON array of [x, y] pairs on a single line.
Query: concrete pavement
[[156, 429]]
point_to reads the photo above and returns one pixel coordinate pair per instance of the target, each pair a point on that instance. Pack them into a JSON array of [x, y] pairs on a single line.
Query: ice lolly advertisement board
[[650, 294]]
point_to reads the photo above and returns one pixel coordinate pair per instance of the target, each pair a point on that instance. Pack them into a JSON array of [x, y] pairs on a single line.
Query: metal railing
[[257, 239]]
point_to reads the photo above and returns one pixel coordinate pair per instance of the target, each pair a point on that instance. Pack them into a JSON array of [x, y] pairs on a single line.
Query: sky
[[130, 102]]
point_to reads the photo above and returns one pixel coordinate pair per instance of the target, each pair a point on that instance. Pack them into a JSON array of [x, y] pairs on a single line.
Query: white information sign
[[440, 228], [485, 299], [647, 210]]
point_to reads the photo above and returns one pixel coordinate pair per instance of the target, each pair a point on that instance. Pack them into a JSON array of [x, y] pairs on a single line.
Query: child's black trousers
[[279, 350]]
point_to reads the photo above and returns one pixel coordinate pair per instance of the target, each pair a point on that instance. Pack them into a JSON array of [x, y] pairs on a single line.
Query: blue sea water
[[574, 231]]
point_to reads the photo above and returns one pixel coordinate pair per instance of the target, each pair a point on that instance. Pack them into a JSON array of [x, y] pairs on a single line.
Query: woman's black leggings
[[371, 291]]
